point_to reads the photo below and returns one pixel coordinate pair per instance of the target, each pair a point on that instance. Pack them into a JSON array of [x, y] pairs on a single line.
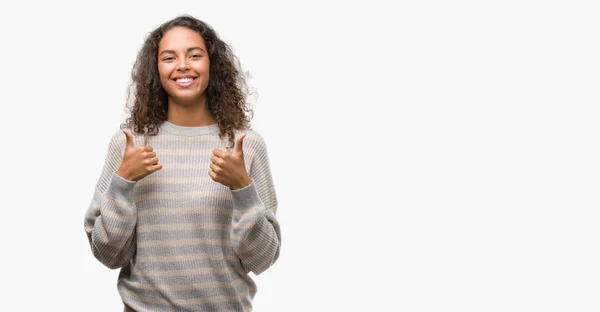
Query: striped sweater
[[183, 241]]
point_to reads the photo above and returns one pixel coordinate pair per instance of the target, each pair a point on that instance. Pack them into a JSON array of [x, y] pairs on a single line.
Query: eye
[[196, 56], [168, 58]]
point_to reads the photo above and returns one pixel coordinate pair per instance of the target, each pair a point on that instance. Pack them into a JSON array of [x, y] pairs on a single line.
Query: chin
[[186, 99]]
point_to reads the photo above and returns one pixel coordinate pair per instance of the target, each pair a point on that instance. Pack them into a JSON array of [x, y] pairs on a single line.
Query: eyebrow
[[189, 49]]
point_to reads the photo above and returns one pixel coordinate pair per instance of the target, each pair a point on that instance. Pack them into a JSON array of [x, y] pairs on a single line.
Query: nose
[[183, 65]]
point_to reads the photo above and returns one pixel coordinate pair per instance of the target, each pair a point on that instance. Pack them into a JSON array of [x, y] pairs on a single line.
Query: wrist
[[245, 181], [121, 173]]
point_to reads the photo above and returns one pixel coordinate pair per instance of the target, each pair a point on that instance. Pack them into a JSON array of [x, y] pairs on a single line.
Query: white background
[[428, 156]]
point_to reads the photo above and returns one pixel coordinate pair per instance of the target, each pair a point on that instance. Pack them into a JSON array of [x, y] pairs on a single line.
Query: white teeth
[[184, 80]]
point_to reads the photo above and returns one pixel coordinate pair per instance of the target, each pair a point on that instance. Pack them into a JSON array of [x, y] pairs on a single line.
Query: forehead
[[180, 38]]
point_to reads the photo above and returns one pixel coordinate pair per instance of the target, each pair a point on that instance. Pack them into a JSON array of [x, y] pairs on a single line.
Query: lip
[[182, 84]]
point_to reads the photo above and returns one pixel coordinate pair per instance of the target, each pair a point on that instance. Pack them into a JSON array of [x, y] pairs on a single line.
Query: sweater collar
[[189, 131]]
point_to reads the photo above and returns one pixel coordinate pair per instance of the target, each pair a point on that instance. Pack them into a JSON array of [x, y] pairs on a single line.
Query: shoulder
[[254, 143], [253, 139], [252, 136], [117, 139]]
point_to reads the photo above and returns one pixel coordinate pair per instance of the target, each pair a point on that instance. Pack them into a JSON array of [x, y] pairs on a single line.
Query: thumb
[[129, 139], [239, 144]]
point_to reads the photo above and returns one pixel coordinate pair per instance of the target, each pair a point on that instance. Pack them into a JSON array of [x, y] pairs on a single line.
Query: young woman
[[185, 204]]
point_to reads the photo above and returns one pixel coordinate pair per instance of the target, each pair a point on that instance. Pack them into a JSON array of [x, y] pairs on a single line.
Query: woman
[[185, 204]]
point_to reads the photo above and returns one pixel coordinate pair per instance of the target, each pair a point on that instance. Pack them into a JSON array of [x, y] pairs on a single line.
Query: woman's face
[[183, 65]]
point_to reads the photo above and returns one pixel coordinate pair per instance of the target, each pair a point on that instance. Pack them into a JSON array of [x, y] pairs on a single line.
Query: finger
[[219, 153], [238, 145], [151, 161], [148, 148], [212, 175], [128, 139], [217, 160], [150, 154], [155, 167], [216, 169]]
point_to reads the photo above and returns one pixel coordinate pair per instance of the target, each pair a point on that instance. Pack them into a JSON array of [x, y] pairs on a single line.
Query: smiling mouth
[[184, 82]]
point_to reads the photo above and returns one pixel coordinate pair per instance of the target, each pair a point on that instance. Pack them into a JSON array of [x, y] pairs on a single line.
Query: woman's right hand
[[138, 162]]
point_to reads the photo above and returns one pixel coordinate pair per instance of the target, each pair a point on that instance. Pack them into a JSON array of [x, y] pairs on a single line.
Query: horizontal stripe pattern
[[184, 241]]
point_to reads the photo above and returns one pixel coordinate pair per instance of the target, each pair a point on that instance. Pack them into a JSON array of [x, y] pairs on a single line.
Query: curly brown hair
[[226, 93]]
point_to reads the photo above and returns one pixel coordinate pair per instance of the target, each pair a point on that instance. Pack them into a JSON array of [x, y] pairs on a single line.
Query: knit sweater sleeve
[[256, 235], [111, 217]]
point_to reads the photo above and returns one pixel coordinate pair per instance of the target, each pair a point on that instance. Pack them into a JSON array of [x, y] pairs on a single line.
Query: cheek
[[202, 68], [205, 71], [162, 72]]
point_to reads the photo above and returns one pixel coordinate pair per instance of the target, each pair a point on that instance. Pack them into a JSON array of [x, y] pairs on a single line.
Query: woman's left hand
[[229, 169]]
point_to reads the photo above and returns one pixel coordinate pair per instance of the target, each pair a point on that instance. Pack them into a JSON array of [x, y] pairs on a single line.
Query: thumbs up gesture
[[138, 162], [229, 169]]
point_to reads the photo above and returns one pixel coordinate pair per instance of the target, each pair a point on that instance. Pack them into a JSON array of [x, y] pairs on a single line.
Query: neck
[[190, 115]]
